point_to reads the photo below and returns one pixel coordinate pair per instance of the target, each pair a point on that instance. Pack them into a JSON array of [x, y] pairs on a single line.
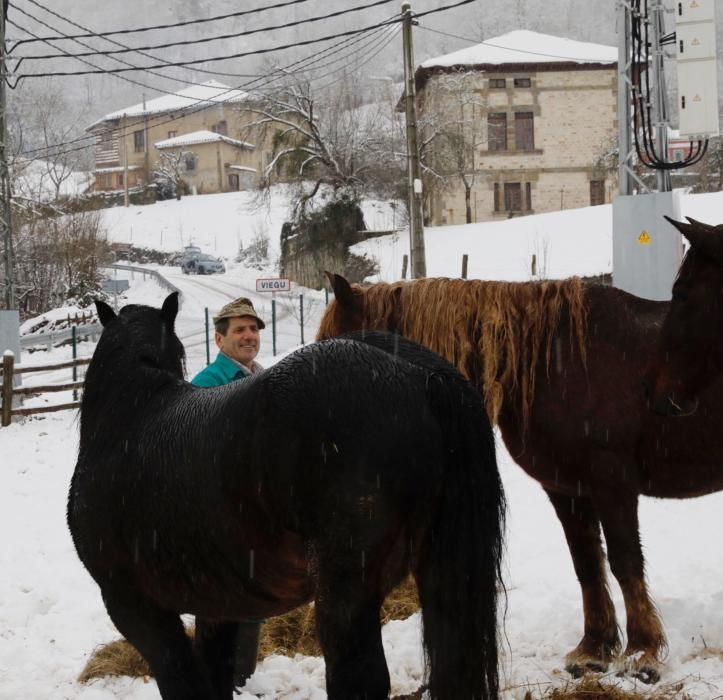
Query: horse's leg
[[618, 510], [347, 620], [601, 641], [247, 651], [161, 639], [227, 651]]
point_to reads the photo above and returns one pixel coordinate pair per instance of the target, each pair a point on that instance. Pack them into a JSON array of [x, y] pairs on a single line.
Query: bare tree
[[327, 139], [40, 122], [168, 172], [453, 129], [59, 261]]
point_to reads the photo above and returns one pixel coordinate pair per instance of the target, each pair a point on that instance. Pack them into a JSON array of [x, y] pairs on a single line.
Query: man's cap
[[239, 307]]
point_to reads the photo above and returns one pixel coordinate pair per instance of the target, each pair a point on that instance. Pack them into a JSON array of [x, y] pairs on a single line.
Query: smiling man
[[237, 338]]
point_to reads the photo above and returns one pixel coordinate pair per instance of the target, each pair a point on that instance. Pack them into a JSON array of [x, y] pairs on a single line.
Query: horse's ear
[[690, 230], [700, 224], [699, 236], [105, 313], [342, 289], [169, 310]]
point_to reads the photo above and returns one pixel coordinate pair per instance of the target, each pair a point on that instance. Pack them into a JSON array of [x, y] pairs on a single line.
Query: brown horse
[[560, 365], [689, 356]]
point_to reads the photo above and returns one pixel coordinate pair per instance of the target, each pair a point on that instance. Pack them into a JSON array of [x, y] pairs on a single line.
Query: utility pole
[[5, 189], [125, 162], [414, 180], [146, 165], [626, 173], [657, 20]]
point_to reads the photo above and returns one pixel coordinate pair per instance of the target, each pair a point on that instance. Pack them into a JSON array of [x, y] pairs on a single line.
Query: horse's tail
[[459, 568]]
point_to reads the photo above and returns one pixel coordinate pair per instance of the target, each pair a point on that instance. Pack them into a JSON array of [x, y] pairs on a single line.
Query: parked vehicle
[[202, 264]]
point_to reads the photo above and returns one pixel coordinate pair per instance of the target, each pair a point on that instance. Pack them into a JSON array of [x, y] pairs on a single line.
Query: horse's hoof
[[647, 674], [641, 666], [578, 667]]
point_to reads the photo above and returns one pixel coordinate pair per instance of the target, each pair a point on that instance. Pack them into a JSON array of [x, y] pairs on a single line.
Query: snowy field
[[51, 614]]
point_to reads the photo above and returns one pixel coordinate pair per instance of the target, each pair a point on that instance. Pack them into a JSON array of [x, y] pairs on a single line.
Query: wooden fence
[[8, 390]]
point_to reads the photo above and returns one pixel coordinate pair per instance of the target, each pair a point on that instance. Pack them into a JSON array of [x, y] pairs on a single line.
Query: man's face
[[241, 341]]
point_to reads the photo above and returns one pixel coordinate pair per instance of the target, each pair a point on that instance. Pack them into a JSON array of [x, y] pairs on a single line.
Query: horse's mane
[[494, 332]]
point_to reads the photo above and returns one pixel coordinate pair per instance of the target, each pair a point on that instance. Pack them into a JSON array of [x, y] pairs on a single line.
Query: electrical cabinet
[[698, 110], [694, 11]]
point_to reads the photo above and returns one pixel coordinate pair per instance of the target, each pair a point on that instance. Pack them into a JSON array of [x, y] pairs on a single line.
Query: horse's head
[[354, 308], [345, 313], [689, 355], [145, 335]]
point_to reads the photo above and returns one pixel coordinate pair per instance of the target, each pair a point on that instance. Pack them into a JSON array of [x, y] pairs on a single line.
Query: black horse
[[328, 477]]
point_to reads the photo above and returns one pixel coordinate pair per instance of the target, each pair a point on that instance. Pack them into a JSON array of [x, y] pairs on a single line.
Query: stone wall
[[321, 241]]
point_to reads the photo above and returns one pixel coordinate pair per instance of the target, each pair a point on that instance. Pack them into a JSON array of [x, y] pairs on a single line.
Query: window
[[497, 83], [220, 128], [513, 196], [189, 162], [597, 192], [172, 134], [233, 182], [522, 82], [497, 131], [139, 141], [528, 196], [498, 205], [524, 131]]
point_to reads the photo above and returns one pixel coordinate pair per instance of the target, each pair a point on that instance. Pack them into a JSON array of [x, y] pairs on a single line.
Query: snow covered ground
[[51, 614]]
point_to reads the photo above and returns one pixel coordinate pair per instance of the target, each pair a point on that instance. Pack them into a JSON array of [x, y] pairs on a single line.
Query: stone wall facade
[[572, 112]]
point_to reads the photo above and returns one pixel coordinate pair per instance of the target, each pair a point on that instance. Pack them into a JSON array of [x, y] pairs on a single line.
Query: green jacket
[[222, 370]]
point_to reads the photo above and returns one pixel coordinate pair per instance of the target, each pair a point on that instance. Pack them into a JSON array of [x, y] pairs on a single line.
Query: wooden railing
[[8, 390]]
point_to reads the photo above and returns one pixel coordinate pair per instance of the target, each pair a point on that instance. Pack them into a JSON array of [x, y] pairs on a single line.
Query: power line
[[220, 37], [243, 54], [380, 45], [63, 36], [132, 81], [165, 26]]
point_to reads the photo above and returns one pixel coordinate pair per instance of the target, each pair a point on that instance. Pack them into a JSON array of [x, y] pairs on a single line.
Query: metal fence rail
[[52, 338]]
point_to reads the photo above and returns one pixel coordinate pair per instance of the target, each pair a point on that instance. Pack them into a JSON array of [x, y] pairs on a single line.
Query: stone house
[[205, 124], [530, 116]]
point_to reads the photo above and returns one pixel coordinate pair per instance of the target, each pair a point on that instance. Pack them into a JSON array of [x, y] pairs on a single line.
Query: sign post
[[273, 285]]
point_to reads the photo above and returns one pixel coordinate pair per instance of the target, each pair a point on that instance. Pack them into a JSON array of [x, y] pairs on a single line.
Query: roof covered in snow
[[194, 96], [202, 136], [522, 46]]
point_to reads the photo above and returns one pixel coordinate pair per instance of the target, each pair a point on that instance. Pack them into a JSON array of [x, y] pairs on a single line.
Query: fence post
[[533, 266], [301, 316], [208, 340], [273, 326], [405, 262], [7, 386], [75, 357], [465, 260]]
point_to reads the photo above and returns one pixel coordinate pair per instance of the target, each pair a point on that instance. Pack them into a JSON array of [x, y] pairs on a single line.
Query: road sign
[[273, 284]]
